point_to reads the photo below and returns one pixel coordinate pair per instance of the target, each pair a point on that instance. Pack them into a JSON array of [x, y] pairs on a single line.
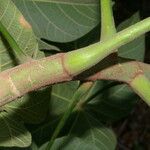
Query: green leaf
[[60, 20], [43, 132], [13, 132], [33, 146], [31, 108], [61, 96], [87, 133], [112, 103], [136, 48], [22, 32], [19, 29], [28, 108], [45, 46]]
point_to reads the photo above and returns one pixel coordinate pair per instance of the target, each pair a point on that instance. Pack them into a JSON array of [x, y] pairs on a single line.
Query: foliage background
[[118, 110], [134, 132]]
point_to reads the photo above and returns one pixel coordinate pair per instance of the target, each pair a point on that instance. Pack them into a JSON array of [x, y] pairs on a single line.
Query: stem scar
[[13, 87]]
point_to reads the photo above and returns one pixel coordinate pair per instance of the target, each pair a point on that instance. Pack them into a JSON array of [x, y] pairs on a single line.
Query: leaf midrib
[[68, 2]]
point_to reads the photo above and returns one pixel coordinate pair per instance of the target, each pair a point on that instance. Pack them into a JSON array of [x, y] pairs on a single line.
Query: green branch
[[108, 29], [138, 78], [141, 85], [62, 67], [83, 59]]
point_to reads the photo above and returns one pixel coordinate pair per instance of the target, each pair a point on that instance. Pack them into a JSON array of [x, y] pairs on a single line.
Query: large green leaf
[[116, 102], [12, 132], [113, 103], [61, 96], [33, 146], [19, 29], [87, 133], [22, 33], [110, 102], [136, 48], [31, 108], [43, 132], [60, 20], [27, 108]]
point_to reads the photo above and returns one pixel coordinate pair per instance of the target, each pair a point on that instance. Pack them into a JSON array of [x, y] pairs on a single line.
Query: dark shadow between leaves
[[89, 38], [19, 113], [106, 62]]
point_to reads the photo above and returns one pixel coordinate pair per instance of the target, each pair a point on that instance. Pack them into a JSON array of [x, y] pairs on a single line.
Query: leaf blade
[[72, 21]]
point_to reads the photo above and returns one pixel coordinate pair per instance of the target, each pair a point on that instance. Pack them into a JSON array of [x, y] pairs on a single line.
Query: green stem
[[62, 67], [20, 55], [107, 30], [83, 59], [107, 20], [75, 99], [141, 86]]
